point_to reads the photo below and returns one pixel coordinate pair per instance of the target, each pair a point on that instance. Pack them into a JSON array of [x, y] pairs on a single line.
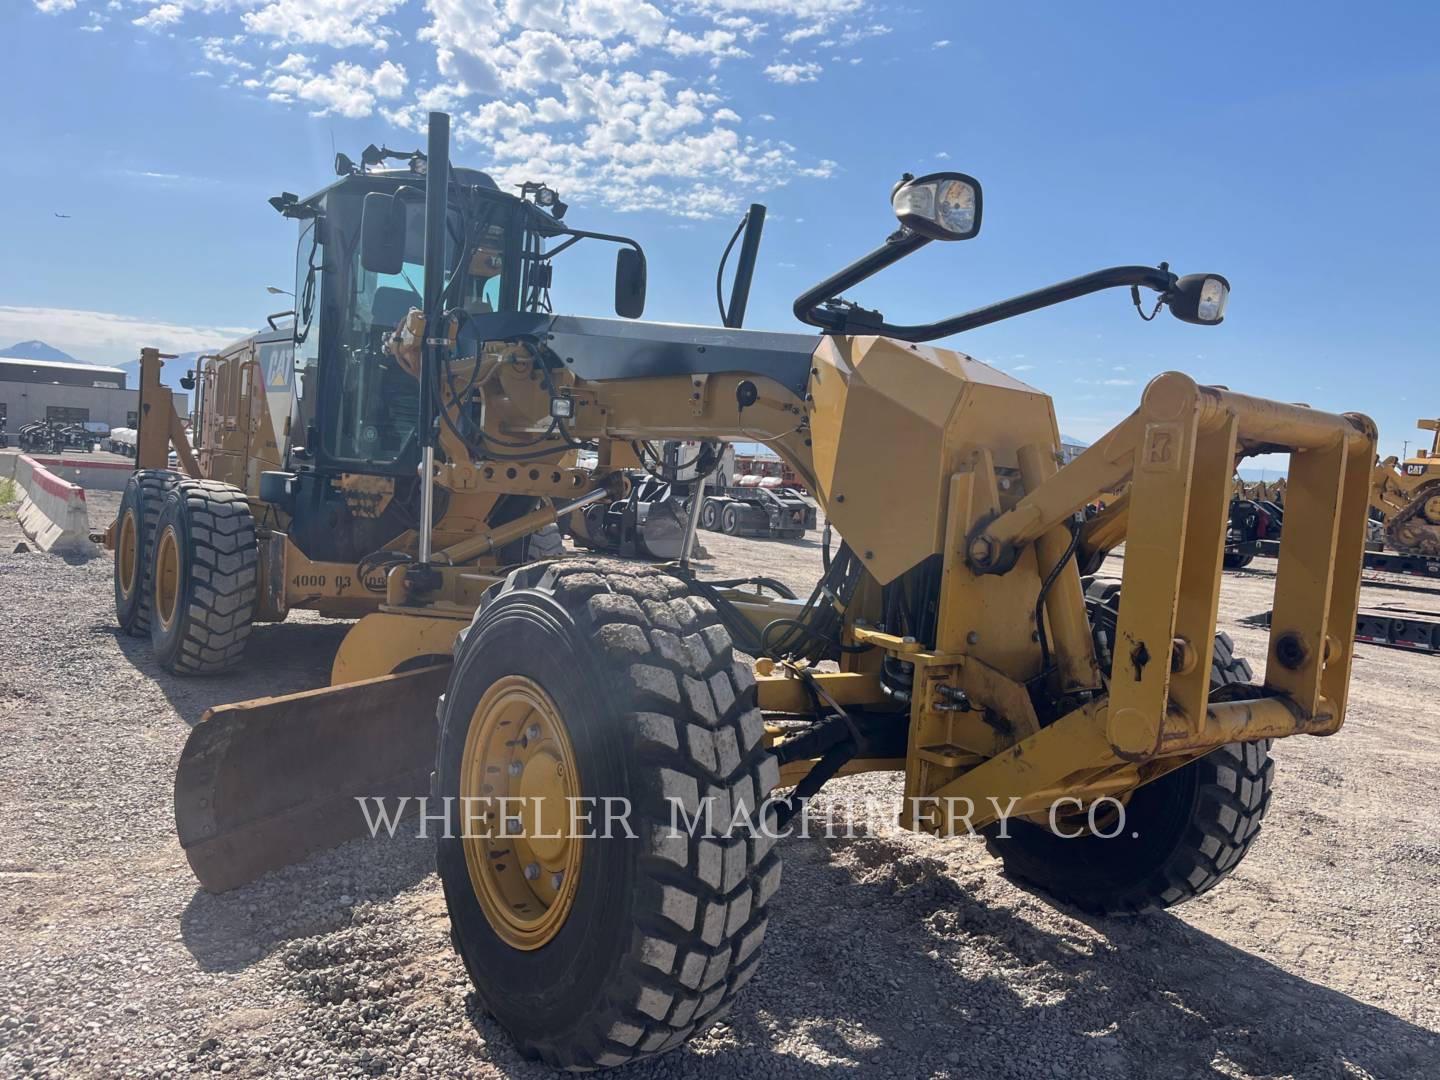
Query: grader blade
[[266, 783]]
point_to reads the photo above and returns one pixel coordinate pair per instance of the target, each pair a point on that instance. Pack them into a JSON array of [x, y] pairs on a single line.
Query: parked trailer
[[122, 441], [756, 508]]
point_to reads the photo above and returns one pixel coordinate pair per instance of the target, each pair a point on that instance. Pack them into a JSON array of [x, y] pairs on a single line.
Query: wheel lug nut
[[556, 879], [533, 731], [516, 768], [532, 871]]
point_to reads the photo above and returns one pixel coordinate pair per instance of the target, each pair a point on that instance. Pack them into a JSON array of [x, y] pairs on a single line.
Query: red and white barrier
[[88, 473], [52, 511]]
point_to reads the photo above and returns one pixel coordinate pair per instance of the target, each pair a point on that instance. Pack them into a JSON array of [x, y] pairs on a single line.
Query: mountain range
[[38, 350], [170, 373]]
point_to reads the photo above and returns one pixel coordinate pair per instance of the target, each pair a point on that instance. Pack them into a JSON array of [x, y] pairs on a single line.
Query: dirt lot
[[888, 954]]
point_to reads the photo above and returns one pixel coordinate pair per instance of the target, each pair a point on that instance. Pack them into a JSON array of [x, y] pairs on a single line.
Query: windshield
[[371, 404]]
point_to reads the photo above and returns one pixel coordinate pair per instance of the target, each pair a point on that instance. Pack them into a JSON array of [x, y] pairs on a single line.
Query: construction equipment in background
[[767, 467], [1407, 498], [54, 437], [753, 506], [1257, 514], [949, 638]]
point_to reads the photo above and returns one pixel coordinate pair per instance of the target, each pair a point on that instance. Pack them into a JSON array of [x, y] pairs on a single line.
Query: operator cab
[[357, 409]]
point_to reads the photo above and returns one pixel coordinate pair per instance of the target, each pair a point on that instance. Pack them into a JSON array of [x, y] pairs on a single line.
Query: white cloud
[[158, 16], [54, 7], [718, 44], [337, 23], [105, 337], [167, 178], [347, 89], [790, 74], [800, 9], [800, 33], [609, 100], [941, 44], [215, 51]]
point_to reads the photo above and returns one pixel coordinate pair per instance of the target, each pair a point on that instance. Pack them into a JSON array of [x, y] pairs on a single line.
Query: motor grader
[[950, 638]]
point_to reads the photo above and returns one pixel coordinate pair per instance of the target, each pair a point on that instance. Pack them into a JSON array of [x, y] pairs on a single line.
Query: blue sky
[[1293, 147]]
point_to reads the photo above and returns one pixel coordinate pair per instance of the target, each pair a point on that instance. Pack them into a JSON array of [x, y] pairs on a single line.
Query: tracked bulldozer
[[950, 639], [1407, 498]]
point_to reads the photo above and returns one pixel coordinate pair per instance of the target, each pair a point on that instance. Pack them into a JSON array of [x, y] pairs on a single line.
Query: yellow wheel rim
[[167, 576], [125, 554], [524, 864]]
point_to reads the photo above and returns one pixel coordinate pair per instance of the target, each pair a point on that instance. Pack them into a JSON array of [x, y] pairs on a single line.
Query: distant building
[[33, 390], [1070, 449]]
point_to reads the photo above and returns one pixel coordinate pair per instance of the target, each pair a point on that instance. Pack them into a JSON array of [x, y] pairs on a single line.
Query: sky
[[1293, 147]]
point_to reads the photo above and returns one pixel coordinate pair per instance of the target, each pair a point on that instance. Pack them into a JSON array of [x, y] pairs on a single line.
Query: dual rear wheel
[[186, 570]]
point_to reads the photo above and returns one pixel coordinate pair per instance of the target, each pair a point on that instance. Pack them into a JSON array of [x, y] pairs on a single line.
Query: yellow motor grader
[[605, 741]]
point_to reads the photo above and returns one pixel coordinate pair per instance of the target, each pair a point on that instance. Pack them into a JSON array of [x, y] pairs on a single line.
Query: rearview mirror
[[382, 234], [940, 206], [629, 283], [1199, 298]]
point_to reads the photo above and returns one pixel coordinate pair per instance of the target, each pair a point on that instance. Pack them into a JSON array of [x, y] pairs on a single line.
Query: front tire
[[1182, 834], [617, 668], [204, 575]]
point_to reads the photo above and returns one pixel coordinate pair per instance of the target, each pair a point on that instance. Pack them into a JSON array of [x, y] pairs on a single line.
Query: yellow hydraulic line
[[487, 542]]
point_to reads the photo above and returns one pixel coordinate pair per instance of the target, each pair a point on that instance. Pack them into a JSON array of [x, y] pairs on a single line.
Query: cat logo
[[278, 361]]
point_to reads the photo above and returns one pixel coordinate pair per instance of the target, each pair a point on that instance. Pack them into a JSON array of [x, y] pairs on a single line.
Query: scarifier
[[967, 652]]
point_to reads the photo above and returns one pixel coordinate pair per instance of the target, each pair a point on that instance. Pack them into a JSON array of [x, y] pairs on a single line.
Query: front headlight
[[1213, 296], [1199, 298], [941, 206]]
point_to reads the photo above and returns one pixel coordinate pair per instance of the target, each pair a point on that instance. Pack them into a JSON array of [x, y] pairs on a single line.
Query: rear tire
[[730, 521], [1236, 560], [203, 577], [544, 543], [662, 928], [1183, 833], [710, 515], [140, 507]]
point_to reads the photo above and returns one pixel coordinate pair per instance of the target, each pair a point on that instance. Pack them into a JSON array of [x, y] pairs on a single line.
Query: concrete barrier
[[52, 511], [95, 475]]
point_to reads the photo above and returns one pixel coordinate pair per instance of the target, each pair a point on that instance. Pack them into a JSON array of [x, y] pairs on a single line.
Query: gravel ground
[[889, 954]]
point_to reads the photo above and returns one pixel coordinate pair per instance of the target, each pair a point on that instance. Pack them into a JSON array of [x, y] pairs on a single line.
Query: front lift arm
[[1178, 453]]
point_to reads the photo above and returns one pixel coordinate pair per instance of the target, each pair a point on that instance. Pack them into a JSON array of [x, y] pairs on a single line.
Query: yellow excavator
[[607, 750]]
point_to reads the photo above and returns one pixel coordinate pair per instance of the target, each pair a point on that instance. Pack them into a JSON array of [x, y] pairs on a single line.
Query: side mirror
[[939, 206], [629, 283], [382, 234], [1199, 298]]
